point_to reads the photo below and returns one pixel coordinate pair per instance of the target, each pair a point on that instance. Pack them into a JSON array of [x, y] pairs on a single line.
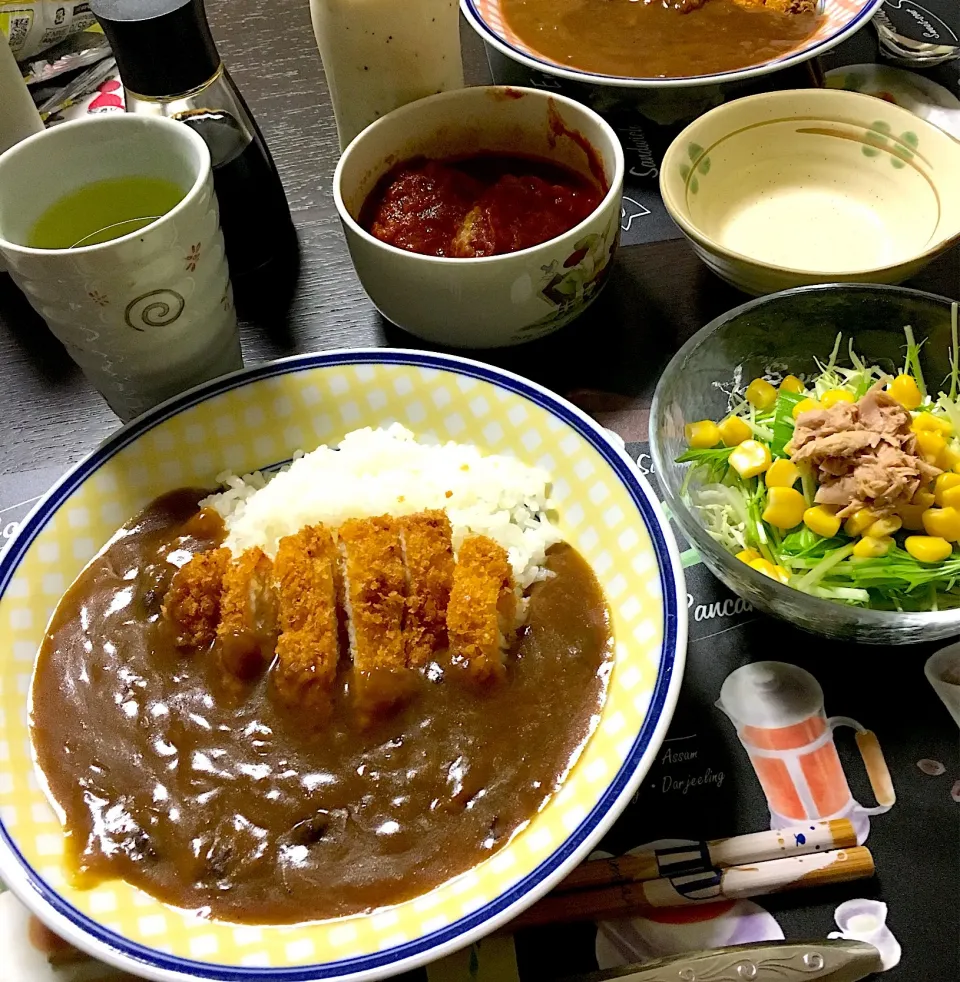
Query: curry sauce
[[240, 806], [661, 38]]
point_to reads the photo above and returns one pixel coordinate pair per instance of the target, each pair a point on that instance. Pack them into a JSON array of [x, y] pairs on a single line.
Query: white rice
[[377, 472]]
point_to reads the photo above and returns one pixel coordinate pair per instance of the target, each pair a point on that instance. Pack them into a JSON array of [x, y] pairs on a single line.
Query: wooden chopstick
[[757, 847], [734, 883]]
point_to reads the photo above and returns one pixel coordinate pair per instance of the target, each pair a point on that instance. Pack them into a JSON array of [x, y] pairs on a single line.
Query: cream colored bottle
[[381, 54], [18, 115]]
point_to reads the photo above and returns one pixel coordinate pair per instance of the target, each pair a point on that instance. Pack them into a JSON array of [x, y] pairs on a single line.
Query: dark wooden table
[[609, 362]]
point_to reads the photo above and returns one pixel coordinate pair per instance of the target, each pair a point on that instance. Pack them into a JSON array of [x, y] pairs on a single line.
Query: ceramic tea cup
[[147, 314]]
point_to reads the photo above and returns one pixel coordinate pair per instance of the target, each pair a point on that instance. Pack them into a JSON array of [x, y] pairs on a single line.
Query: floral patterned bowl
[[792, 188], [491, 301]]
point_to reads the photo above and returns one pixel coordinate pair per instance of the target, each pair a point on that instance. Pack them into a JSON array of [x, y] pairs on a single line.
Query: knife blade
[[766, 961]]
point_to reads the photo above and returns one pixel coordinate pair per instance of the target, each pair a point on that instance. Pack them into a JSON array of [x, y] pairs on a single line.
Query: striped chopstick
[[626, 899], [757, 847]]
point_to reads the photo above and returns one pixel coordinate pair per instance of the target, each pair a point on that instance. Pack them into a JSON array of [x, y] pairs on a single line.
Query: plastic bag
[[32, 26]]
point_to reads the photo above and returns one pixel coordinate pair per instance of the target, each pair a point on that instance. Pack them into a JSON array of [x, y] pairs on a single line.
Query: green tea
[[103, 211]]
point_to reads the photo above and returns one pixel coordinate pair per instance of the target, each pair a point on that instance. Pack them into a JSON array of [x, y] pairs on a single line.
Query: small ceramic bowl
[[490, 301], [792, 188]]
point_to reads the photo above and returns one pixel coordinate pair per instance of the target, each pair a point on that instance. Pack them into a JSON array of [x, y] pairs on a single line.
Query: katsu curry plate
[[327, 668], [663, 42]]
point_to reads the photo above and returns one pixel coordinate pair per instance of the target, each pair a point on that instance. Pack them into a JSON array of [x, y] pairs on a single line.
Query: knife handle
[[784, 961]]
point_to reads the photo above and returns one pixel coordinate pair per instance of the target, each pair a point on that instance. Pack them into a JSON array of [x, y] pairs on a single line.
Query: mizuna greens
[[760, 507]]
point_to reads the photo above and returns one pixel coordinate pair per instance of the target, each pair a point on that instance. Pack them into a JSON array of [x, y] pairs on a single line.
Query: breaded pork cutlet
[[374, 595], [481, 616], [247, 632], [428, 558], [308, 648], [192, 603]]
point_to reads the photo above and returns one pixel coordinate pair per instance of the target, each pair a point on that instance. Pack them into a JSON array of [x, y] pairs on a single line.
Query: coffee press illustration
[[778, 711]]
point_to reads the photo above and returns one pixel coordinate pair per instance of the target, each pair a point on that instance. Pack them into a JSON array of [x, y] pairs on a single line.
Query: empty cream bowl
[[790, 188], [489, 301]]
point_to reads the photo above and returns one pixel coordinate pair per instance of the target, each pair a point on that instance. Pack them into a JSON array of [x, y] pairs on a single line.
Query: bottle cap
[[162, 47]]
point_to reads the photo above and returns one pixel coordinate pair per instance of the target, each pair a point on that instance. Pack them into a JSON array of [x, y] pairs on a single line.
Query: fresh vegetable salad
[[844, 485]]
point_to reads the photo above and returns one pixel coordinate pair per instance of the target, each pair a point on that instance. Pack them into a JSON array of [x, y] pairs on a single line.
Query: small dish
[[785, 334], [258, 417], [491, 301], [913, 92], [791, 188]]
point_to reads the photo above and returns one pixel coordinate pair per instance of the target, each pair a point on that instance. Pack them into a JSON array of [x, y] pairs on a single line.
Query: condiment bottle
[[170, 66], [18, 114], [381, 54]]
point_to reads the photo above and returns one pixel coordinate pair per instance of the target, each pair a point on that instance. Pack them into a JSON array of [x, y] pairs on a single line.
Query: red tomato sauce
[[483, 205]]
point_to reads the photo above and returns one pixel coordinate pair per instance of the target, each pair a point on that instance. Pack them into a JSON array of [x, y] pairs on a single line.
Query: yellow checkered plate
[[258, 417]]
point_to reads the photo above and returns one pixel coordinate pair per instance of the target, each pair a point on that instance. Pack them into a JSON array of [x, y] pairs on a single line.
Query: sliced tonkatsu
[[308, 648], [192, 603], [247, 632], [392, 583], [428, 559], [482, 614], [374, 593]]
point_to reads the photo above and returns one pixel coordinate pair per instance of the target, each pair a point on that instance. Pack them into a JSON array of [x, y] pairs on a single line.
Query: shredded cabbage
[[731, 507]]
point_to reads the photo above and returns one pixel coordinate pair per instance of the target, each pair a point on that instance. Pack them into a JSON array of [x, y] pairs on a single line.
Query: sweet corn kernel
[[949, 457], [761, 394], [904, 389], [950, 498], [942, 522], [927, 421], [702, 435], [785, 507], [859, 522], [943, 484], [768, 569], [805, 406], [912, 517], [912, 513], [733, 431], [750, 458], [791, 383], [931, 445], [872, 547], [832, 396], [883, 527], [821, 521], [748, 555], [782, 473], [927, 548]]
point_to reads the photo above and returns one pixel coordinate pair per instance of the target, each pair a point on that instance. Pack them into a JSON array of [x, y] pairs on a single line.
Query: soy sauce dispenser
[[170, 66]]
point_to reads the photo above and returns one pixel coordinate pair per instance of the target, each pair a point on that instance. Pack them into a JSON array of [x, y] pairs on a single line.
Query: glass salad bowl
[[785, 333]]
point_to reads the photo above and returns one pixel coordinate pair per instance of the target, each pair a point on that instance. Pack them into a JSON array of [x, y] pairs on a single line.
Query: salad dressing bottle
[[379, 55]]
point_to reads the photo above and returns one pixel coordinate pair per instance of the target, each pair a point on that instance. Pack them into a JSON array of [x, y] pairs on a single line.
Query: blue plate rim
[[101, 942], [487, 33]]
